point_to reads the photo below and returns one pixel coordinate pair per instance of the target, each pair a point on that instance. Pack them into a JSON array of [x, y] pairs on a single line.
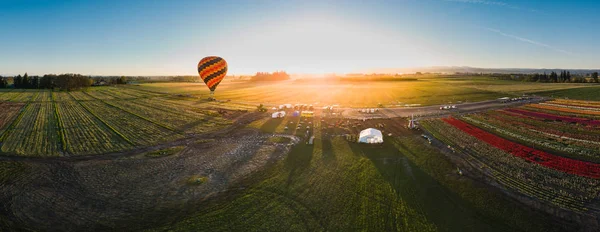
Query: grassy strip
[[164, 152], [196, 180], [139, 116], [63, 141], [106, 124]]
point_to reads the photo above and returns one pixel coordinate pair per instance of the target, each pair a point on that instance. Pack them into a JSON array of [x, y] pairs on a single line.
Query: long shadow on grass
[[326, 146], [421, 191], [270, 126], [301, 155]]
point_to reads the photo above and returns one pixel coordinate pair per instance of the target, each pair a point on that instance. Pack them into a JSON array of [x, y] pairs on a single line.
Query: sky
[[148, 37]]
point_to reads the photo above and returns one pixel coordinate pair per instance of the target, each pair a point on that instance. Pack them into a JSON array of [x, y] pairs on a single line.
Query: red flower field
[[571, 166]]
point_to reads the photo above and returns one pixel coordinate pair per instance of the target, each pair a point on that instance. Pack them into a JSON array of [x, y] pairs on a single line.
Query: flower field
[[570, 166], [95, 121], [548, 151], [555, 117], [527, 171], [566, 109], [563, 139]]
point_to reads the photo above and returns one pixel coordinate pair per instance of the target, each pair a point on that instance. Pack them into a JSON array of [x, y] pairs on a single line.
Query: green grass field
[[336, 185], [591, 93], [425, 91]]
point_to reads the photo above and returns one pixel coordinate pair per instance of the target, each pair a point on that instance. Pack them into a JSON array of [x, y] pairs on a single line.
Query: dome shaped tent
[[370, 135]]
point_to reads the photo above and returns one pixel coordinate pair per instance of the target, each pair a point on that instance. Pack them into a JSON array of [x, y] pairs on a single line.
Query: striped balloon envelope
[[212, 70]]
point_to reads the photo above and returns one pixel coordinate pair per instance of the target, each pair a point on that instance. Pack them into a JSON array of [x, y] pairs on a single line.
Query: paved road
[[428, 111]]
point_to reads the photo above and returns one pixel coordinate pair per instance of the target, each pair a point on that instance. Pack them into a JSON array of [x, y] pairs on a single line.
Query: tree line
[[67, 81], [553, 77], [265, 76]]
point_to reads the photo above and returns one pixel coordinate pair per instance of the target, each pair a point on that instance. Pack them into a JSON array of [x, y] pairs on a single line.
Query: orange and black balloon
[[212, 70]]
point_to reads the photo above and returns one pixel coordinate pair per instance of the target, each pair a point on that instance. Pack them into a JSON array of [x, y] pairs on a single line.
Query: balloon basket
[[211, 96]]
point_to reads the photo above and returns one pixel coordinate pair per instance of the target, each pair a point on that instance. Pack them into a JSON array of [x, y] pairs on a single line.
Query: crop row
[[7, 96], [61, 96], [8, 113], [118, 93], [99, 95], [592, 104], [35, 133], [25, 96], [42, 96], [549, 185], [560, 113], [81, 96], [139, 93], [135, 129], [518, 131], [177, 121], [571, 106], [564, 109], [85, 134], [558, 128], [571, 166], [542, 115]]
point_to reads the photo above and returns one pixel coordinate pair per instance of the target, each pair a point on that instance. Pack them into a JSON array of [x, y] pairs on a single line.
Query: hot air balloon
[[212, 70]]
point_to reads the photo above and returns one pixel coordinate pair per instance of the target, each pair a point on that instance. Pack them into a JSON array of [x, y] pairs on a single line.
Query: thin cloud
[[527, 40], [492, 3]]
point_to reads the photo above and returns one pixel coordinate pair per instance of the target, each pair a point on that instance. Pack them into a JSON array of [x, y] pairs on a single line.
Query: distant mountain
[[467, 69]]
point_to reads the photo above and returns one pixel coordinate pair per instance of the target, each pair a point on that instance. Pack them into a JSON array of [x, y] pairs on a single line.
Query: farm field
[[534, 151], [425, 91], [587, 93], [401, 185], [333, 185], [47, 123], [185, 163]]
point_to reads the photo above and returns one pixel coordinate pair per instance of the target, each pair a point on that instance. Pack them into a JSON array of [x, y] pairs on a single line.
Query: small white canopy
[[285, 106], [370, 135], [279, 114]]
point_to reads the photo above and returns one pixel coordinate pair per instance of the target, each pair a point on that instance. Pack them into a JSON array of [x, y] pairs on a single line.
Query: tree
[[543, 78], [17, 81], [595, 76], [261, 108], [3, 82], [46, 82], [553, 77], [25, 81], [568, 76], [122, 80]]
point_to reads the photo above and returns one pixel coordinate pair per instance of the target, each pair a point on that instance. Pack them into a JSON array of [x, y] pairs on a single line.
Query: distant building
[[100, 83]]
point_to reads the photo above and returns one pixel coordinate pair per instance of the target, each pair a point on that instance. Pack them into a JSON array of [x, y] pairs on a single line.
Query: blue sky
[[169, 37]]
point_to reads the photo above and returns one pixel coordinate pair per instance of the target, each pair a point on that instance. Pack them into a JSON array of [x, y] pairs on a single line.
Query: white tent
[[370, 135], [285, 106], [279, 114]]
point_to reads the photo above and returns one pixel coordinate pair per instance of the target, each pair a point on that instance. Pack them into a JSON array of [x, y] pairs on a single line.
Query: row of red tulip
[[567, 165]]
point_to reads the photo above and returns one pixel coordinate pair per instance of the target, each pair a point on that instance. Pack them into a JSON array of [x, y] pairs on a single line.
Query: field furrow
[[85, 134]]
